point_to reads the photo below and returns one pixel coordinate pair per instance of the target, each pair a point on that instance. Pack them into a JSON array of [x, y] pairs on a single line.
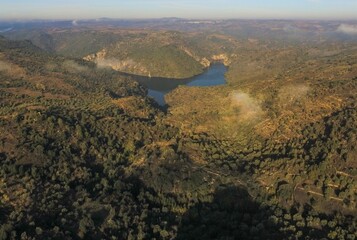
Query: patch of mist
[[291, 29], [107, 63], [6, 30], [75, 22], [73, 67], [119, 65], [292, 93], [347, 29], [249, 107]]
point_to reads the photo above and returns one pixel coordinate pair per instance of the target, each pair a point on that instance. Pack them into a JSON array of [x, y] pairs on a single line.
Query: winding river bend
[[159, 87]]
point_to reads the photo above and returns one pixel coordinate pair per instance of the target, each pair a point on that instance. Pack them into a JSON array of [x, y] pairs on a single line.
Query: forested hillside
[[169, 54], [85, 154]]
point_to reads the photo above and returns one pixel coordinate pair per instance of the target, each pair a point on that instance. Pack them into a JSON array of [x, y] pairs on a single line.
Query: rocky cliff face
[[222, 58], [203, 61], [99, 55], [126, 65]]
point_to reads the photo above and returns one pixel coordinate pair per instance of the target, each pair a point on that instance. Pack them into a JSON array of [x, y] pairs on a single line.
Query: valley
[[257, 138]]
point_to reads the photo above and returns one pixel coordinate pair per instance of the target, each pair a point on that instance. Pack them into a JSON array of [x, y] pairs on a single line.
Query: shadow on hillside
[[232, 214]]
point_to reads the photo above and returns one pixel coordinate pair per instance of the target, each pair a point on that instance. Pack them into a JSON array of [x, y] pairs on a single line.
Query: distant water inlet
[[159, 87]]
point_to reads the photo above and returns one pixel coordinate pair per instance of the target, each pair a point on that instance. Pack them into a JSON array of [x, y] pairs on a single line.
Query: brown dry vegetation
[[281, 82], [87, 140]]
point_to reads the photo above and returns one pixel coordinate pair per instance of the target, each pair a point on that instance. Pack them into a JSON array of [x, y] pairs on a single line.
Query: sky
[[203, 9]]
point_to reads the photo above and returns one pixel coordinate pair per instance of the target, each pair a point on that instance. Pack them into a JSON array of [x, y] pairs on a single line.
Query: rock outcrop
[[222, 58]]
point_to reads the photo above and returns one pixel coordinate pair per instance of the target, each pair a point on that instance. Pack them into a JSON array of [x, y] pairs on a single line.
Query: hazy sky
[[79, 9]]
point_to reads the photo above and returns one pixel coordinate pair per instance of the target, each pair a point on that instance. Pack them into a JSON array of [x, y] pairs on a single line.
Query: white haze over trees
[[348, 29]]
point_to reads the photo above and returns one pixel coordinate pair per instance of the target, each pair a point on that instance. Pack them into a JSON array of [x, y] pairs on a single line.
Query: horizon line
[[178, 18]]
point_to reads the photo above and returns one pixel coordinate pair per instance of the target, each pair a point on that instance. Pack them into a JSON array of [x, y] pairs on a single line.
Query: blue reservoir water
[[159, 87]]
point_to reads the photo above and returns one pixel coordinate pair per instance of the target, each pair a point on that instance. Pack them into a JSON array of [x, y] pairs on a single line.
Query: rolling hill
[[85, 154]]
